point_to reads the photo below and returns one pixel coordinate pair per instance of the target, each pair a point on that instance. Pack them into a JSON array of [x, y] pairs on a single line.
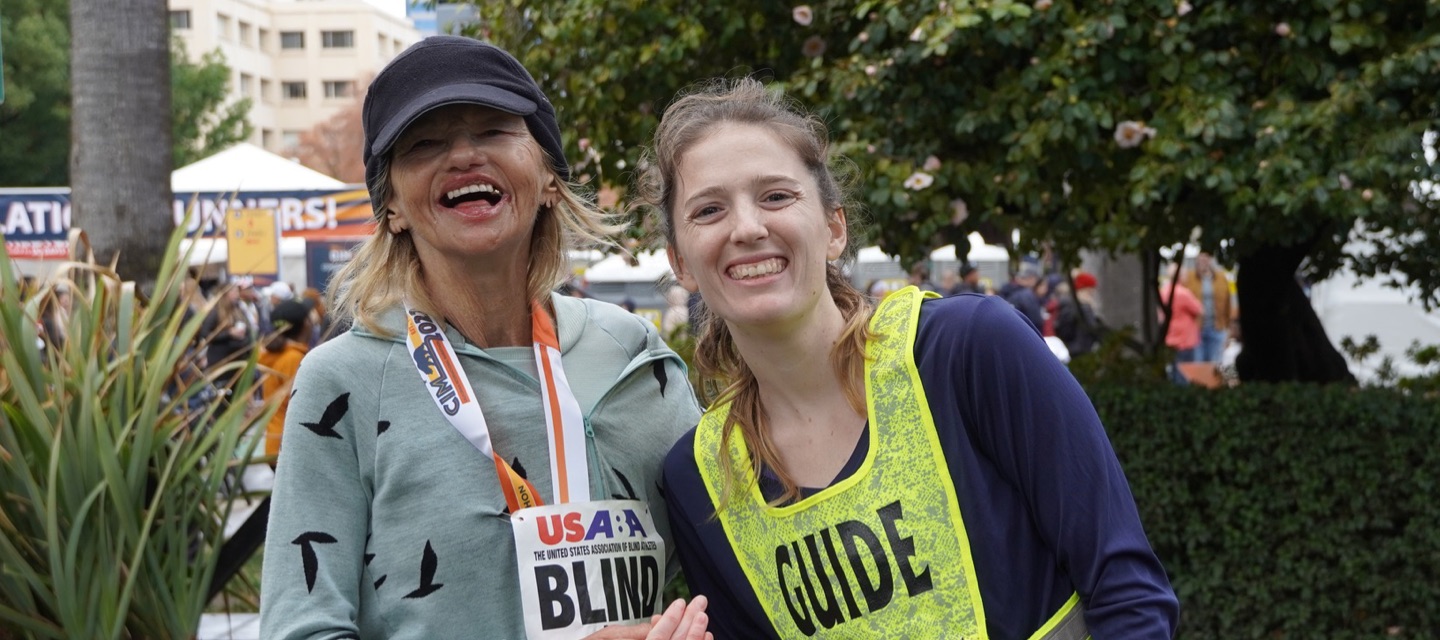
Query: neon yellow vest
[[882, 553]]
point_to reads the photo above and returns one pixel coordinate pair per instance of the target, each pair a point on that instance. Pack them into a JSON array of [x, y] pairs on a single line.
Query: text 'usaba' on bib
[[587, 565]]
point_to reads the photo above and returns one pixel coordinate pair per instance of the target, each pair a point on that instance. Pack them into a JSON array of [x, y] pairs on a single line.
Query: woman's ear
[[550, 195], [395, 222], [677, 266], [839, 234]]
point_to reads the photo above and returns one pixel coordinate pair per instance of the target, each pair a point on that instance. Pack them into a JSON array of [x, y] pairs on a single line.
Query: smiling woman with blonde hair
[[431, 452]]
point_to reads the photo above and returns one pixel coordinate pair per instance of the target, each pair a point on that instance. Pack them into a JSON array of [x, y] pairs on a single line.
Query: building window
[[337, 39], [247, 85], [293, 90], [289, 140], [267, 91], [380, 43], [222, 26], [264, 41], [267, 138], [245, 33], [292, 39], [180, 19], [339, 88]]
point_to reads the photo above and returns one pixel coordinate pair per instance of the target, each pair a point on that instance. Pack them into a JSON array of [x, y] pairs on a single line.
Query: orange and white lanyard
[[564, 424]]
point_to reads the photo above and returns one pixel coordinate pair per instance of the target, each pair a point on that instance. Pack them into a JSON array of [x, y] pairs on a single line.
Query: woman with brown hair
[[921, 469]]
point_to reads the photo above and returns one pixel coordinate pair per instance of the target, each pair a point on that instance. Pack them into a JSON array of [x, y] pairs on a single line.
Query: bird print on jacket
[[308, 560], [629, 488], [370, 556], [336, 410], [429, 562], [325, 427], [660, 375]]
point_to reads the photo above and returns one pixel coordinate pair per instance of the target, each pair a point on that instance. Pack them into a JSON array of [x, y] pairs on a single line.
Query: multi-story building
[[299, 61], [447, 16]]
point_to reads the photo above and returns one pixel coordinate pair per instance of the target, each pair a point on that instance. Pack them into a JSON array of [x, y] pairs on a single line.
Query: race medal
[[587, 565]]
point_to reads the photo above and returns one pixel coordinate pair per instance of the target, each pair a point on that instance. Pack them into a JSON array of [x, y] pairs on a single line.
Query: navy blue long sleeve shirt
[[1046, 505]]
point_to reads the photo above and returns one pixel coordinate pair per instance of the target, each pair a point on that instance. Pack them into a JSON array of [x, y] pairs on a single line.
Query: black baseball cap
[[291, 313], [445, 70]]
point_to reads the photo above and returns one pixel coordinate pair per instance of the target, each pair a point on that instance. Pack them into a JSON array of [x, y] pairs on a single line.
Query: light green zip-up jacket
[[386, 523]]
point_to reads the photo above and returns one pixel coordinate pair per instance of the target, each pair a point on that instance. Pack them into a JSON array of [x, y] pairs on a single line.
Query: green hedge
[[1287, 511]]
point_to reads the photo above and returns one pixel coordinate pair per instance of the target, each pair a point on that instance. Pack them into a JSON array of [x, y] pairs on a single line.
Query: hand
[[679, 622]]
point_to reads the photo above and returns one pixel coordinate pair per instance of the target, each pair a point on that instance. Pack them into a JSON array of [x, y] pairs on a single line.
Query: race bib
[[587, 565]]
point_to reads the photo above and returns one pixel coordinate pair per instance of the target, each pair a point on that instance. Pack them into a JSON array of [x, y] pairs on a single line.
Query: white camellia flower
[[1041, 5], [1345, 182], [1183, 8], [919, 180], [959, 211], [932, 163], [802, 15], [1282, 29], [870, 70], [917, 35], [1129, 134]]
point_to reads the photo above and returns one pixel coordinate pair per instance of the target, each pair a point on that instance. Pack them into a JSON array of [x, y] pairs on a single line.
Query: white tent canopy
[[979, 252], [872, 263], [651, 267], [246, 167]]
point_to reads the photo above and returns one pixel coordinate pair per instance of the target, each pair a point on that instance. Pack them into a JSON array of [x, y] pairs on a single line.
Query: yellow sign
[[254, 243]]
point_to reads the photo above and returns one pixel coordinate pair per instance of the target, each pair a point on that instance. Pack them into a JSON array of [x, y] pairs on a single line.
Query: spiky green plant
[[113, 468]]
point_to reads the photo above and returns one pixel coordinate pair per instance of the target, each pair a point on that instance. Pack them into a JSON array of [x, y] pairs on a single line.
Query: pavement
[[238, 626], [229, 626]]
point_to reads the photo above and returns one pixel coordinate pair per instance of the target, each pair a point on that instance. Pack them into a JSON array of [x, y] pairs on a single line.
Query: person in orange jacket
[[282, 357]]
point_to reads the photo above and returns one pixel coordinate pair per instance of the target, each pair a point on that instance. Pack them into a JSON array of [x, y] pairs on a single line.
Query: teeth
[[757, 269], [474, 188]]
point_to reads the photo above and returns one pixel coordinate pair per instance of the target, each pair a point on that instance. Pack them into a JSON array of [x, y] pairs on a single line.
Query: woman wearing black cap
[[479, 456]]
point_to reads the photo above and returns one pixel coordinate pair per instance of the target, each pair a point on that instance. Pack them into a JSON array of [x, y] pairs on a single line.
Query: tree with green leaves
[[1275, 133], [35, 117], [204, 123]]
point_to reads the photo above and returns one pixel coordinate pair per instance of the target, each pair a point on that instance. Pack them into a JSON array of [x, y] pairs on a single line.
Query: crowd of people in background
[[1064, 307], [1043, 297], [238, 319], [241, 319], [283, 325]]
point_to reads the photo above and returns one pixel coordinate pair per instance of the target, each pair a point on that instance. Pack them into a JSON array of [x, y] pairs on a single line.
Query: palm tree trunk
[[120, 153]]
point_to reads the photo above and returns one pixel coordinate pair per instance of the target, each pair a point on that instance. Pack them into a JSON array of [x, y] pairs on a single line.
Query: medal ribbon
[[447, 385]]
